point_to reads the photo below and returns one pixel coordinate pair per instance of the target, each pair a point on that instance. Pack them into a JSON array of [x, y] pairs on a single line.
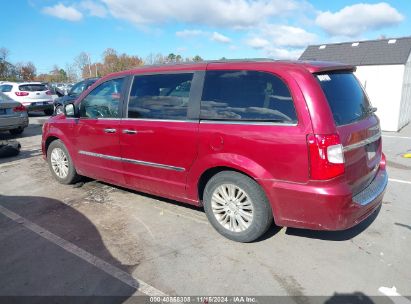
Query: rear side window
[[6, 88], [345, 96], [32, 87], [246, 96], [162, 96]]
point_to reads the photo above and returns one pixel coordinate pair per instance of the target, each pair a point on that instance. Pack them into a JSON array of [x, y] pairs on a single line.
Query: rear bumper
[[39, 105], [324, 207], [10, 123]]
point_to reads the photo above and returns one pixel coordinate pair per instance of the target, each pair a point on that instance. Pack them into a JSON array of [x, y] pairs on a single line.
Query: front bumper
[[324, 207]]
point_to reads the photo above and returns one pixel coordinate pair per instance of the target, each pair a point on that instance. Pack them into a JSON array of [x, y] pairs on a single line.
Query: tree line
[[83, 67]]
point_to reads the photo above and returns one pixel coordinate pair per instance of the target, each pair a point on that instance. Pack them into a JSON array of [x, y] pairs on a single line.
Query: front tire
[[60, 163], [49, 112], [237, 207], [17, 131]]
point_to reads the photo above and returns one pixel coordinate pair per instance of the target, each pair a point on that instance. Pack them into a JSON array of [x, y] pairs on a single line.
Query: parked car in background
[[61, 89], [35, 96], [13, 115], [251, 141], [74, 92]]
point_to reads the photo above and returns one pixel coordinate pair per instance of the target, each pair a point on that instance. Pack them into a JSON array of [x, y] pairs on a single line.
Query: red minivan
[[252, 142]]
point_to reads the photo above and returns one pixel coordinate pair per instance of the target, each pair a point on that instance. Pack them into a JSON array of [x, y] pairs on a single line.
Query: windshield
[[346, 98], [78, 88]]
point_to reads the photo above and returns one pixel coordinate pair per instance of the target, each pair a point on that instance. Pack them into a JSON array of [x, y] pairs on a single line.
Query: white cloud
[[257, 43], [281, 41], [226, 13], [214, 36], [220, 38], [356, 19], [181, 49], [189, 33], [93, 8], [63, 12], [289, 36], [283, 53]]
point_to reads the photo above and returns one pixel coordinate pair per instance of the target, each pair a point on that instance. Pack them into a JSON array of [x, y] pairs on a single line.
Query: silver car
[[13, 115], [35, 96]]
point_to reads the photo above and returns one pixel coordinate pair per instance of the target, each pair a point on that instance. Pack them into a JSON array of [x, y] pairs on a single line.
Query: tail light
[[22, 93], [383, 162], [49, 93], [19, 108], [326, 156]]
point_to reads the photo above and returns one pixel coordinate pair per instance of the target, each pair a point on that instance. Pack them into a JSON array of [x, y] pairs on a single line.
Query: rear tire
[[237, 207], [17, 131], [49, 112], [61, 164]]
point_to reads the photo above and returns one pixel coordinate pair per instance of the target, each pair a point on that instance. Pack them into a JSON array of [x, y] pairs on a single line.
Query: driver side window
[[103, 101]]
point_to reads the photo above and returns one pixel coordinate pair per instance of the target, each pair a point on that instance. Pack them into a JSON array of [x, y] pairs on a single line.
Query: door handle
[[129, 131], [110, 130]]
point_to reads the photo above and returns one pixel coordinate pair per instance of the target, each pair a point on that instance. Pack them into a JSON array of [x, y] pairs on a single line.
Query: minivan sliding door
[[159, 137]]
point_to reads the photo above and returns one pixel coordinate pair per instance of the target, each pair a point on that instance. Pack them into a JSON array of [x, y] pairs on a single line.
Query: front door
[[96, 133], [158, 140]]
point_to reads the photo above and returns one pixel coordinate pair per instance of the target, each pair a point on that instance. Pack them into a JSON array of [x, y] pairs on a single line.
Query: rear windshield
[[346, 98], [32, 87]]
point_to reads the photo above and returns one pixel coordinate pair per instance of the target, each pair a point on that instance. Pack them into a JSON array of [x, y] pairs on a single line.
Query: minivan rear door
[[357, 126]]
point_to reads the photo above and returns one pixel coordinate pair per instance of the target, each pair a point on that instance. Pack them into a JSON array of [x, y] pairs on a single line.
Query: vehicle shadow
[[24, 153], [49, 249], [356, 298], [343, 235]]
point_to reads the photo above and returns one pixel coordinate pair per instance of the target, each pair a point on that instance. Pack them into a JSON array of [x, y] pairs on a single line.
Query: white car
[[35, 96]]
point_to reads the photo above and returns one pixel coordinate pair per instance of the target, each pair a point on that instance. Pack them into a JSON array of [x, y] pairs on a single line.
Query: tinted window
[[5, 88], [78, 88], [246, 95], [89, 84], [163, 96], [345, 96], [32, 87], [103, 101]]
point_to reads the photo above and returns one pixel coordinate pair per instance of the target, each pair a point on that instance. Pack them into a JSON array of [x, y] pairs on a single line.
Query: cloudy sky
[[49, 32]]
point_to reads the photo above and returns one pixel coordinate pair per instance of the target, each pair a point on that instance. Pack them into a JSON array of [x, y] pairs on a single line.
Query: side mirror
[[70, 110]]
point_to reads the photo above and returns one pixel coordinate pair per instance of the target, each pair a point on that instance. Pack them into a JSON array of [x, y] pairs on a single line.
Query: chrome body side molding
[[132, 161]]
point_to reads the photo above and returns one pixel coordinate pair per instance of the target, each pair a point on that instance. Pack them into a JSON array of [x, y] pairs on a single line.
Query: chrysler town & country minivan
[[253, 142]]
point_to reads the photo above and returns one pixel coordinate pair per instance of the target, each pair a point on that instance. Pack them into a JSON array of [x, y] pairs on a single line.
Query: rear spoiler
[[318, 67]]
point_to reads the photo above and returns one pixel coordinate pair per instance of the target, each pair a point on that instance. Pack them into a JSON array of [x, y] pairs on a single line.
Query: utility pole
[[89, 64]]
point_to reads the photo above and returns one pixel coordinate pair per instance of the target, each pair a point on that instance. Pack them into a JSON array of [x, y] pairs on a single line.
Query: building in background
[[383, 68]]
